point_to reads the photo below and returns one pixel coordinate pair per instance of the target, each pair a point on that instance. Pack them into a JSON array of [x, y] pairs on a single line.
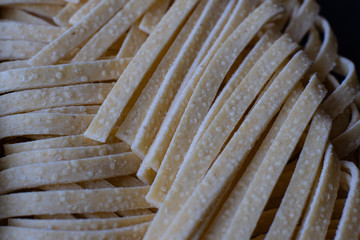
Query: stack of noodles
[[185, 119]]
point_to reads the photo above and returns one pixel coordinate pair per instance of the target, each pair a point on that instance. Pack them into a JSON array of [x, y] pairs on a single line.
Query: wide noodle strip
[[112, 30], [29, 32], [84, 10], [56, 142], [130, 232], [345, 94], [120, 95], [224, 27], [19, 49], [153, 15], [231, 112], [176, 74], [37, 99], [318, 214], [80, 224], [68, 171], [73, 201], [231, 159], [61, 154], [77, 34], [131, 124], [204, 95], [59, 75], [349, 225], [302, 179], [43, 123], [223, 219]]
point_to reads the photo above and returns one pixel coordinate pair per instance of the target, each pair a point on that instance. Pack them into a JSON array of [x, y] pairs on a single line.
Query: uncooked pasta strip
[[73, 201]]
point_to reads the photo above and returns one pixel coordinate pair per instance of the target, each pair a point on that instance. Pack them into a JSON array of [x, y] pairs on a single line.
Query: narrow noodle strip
[[318, 214], [204, 95], [91, 109], [121, 181], [63, 16], [68, 171], [176, 74], [56, 142], [302, 19], [19, 49], [29, 32], [80, 224], [153, 15], [131, 232], [83, 11], [77, 34], [119, 96], [61, 154], [303, 178], [223, 219], [44, 123], [37, 99], [73, 201], [132, 43], [349, 225], [313, 44], [326, 56], [112, 30], [345, 94], [4, 66], [224, 27], [98, 184], [64, 74]]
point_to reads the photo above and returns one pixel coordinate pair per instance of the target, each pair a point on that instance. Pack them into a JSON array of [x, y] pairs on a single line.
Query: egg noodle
[[176, 119]]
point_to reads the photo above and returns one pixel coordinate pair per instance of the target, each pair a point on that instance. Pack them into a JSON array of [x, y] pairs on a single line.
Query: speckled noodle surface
[[176, 119]]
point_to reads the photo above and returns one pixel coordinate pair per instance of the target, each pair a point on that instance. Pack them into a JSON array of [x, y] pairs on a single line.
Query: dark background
[[344, 19]]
